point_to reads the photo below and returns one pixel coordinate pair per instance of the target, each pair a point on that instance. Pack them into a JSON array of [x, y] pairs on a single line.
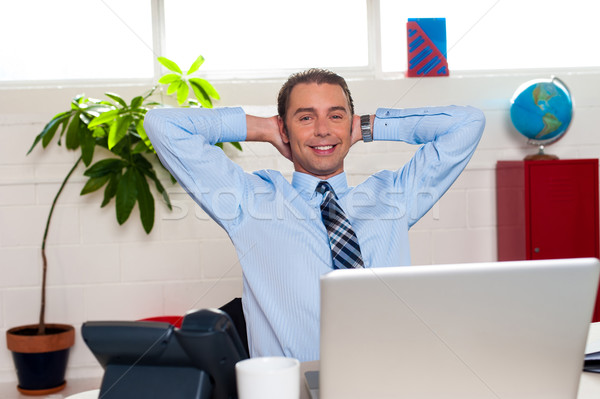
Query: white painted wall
[[99, 270]]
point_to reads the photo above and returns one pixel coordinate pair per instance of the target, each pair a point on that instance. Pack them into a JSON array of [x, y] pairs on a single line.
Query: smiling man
[[321, 121], [287, 234]]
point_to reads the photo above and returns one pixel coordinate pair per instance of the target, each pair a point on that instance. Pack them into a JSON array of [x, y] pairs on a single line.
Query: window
[[75, 39], [265, 35], [63, 40]]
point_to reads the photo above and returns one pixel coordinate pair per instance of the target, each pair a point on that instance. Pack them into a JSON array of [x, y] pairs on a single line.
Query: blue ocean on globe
[[541, 110]]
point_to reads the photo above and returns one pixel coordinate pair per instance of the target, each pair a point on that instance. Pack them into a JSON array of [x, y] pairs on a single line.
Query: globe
[[541, 110]]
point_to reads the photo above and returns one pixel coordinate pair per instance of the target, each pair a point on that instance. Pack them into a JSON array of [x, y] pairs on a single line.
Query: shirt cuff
[[233, 124], [392, 123]]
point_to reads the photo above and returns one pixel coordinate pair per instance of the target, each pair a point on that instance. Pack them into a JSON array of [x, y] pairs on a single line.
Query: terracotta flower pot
[[40, 360]]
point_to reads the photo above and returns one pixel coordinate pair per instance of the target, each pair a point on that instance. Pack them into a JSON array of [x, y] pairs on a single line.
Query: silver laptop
[[483, 330]]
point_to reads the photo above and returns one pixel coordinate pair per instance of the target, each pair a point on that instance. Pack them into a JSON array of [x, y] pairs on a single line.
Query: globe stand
[[540, 156]]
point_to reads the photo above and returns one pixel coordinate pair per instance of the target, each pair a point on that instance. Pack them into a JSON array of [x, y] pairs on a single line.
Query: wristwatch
[[365, 128]]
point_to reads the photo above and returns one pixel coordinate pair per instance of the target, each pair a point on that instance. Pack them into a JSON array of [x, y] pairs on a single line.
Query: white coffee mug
[[268, 378]]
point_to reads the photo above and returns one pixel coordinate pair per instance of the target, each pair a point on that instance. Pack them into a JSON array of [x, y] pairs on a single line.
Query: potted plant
[[40, 351]]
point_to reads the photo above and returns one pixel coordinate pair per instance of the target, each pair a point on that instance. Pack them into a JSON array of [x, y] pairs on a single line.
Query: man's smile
[[323, 149]]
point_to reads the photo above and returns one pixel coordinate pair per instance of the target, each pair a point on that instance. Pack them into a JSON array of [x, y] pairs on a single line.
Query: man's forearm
[[266, 130], [424, 125], [261, 129]]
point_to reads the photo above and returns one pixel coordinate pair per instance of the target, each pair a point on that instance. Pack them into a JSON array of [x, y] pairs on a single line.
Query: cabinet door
[[510, 210], [563, 211]]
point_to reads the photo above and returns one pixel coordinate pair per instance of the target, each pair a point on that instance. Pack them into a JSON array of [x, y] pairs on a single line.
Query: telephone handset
[[156, 360]]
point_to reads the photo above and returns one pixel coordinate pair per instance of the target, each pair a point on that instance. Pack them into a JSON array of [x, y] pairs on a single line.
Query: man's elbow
[[154, 121], [477, 119]]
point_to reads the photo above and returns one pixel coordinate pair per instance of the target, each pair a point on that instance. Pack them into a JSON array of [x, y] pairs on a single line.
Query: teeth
[[324, 147]]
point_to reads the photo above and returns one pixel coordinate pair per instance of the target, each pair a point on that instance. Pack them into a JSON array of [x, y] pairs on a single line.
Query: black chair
[[234, 309]]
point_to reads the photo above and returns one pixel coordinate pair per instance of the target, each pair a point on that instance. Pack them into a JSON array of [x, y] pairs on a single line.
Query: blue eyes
[[307, 118]]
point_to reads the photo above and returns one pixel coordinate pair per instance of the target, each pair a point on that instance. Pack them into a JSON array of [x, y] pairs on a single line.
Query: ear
[[355, 129], [282, 130]]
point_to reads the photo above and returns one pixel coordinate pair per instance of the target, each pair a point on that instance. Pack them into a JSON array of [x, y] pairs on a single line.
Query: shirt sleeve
[[448, 137], [184, 140]]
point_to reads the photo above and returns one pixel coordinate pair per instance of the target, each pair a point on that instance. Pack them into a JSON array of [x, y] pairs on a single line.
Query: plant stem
[[42, 322]]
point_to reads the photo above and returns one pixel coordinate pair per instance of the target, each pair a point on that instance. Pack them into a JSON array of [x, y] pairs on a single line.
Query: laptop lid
[[481, 330]]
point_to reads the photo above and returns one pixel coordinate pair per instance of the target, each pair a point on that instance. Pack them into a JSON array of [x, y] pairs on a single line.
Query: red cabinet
[[547, 210]]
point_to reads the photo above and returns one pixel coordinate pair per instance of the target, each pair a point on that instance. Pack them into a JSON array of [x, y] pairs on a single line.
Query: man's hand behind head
[[267, 130]]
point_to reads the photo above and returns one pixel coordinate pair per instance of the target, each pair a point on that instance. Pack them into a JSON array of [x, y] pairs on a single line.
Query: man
[[277, 228]]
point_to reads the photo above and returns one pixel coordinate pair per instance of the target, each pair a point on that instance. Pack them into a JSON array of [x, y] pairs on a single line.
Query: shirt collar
[[306, 184]]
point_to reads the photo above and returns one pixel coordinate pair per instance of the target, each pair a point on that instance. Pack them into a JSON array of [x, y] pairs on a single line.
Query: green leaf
[[98, 132], [97, 107], [196, 65], [159, 187], [145, 201], [139, 148], [173, 87], [136, 102], [104, 167], [93, 184], [50, 129], [142, 132], [116, 98], [72, 141], [170, 65], [126, 195], [118, 130], [37, 140], [62, 124], [88, 143], [182, 92], [169, 78], [62, 130], [201, 95], [141, 162], [207, 87], [78, 99], [104, 117], [111, 188], [236, 145]]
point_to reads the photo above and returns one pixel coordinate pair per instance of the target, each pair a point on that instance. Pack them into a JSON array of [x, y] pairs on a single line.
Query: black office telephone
[[146, 359]]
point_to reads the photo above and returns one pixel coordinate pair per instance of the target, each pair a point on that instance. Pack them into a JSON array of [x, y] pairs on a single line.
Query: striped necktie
[[345, 250]]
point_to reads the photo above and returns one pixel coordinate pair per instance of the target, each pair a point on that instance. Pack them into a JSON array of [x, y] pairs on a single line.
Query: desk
[[589, 384]]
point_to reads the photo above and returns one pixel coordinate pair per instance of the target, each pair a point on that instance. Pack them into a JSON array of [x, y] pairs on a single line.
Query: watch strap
[[365, 128]]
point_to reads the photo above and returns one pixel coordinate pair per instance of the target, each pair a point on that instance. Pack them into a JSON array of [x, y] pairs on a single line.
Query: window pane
[[492, 34], [76, 39], [266, 34]]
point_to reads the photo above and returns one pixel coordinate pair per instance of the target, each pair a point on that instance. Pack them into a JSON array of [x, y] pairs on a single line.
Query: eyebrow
[[313, 110]]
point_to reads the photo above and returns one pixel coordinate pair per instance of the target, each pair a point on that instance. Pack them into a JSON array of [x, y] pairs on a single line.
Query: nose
[[321, 127]]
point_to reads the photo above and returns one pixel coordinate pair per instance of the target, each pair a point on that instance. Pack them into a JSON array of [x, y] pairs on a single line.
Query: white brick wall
[[100, 270]]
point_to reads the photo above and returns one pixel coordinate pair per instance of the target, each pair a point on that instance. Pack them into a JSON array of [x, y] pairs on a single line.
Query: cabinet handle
[[536, 250]]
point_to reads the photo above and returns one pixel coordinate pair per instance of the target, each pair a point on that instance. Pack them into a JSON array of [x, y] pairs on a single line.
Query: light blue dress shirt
[[276, 227]]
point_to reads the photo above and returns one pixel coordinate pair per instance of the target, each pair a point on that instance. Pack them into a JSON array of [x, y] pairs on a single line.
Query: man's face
[[319, 126]]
